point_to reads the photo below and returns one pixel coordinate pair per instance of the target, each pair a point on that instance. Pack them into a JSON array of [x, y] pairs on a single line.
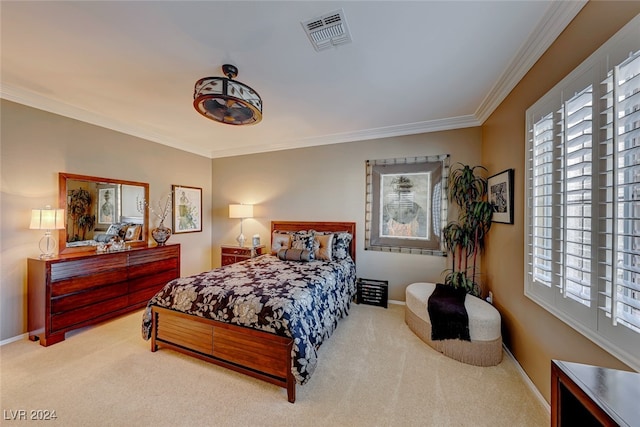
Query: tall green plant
[[464, 238]]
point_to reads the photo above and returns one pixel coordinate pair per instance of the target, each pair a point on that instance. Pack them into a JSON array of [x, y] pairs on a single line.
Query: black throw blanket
[[449, 318]]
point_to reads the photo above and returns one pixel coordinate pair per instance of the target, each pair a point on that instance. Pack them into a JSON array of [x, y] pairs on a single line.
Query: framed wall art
[[406, 204], [107, 206], [187, 209], [500, 193]]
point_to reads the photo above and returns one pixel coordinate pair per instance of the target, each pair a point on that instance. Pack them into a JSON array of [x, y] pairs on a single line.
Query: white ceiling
[[412, 67]]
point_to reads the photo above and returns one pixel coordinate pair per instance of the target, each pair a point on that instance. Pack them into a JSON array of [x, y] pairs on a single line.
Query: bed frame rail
[[255, 353]]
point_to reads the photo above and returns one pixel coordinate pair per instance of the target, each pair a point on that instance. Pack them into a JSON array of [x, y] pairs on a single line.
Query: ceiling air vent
[[327, 30]]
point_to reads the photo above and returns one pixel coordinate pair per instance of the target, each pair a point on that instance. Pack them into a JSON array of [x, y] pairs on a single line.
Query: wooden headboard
[[349, 227]]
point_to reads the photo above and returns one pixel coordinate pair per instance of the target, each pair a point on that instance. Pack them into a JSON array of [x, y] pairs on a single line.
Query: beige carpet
[[372, 372]]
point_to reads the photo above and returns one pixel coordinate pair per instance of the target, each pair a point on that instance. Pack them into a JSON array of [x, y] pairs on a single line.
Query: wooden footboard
[[255, 353]]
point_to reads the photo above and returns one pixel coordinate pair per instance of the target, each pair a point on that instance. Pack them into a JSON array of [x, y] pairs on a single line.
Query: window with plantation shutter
[[582, 231], [621, 195]]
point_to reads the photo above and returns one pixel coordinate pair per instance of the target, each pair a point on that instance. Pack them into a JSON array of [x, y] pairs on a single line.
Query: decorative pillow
[[279, 241], [341, 242], [103, 238], [295, 255], [303, 240], [323, 246]]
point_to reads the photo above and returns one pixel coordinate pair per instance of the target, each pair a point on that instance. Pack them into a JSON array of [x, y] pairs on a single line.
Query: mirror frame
[[62, 204]]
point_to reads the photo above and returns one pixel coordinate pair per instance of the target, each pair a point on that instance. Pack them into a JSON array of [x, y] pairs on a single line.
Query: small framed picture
[[500, 190], [187, 209]]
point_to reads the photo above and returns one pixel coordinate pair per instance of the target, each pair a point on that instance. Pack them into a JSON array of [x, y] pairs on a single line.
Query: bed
[[267, 316]]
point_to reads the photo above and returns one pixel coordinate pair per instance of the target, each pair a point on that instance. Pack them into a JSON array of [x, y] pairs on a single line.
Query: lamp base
[[241, 239], [47, 245]]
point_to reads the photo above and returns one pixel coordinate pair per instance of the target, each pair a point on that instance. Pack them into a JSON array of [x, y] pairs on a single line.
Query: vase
[[161, 234]]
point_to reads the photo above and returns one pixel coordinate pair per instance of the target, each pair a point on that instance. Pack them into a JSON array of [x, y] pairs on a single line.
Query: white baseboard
[[528, 381], [10, 340]]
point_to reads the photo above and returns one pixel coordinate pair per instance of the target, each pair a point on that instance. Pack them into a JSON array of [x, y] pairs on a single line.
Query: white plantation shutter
[[582, 177], [542, 199], [577, 155], [621, 194]]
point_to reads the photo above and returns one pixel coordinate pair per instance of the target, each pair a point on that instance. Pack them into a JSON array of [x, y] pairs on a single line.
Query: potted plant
[[80, 212], [464, 238]]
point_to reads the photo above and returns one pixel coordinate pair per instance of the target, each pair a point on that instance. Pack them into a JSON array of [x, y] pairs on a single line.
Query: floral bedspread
[[302, 300]]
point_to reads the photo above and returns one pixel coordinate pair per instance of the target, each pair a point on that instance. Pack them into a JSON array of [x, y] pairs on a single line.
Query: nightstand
[[233, 254]]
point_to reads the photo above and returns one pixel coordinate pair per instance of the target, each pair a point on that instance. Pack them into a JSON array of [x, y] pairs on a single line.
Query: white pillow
[[279, 241]]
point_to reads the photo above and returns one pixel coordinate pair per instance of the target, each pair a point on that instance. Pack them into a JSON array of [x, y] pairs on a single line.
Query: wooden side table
[[233, 254], [587, 395]]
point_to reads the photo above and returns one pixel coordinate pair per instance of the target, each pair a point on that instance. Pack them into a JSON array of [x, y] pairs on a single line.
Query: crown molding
[[61, 108], [558, 16], [363, 135]]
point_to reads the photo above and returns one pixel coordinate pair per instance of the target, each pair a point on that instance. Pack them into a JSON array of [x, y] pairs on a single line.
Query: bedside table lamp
[[47, 219], [242, 212]]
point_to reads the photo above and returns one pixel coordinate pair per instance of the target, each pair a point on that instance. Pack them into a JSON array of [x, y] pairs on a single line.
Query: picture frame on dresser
[[187, 209]]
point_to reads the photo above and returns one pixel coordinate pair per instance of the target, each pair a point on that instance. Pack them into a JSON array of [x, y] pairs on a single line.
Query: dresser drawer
[[81, 283], [230, 250], [233, 254], [80, 299], [154, 254], [228, 259], [87, 266], [142, 297], [156, 281], [142, 270], [87, 313]]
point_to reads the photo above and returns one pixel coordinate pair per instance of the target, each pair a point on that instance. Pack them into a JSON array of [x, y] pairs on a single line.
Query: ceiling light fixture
[[227, 101]]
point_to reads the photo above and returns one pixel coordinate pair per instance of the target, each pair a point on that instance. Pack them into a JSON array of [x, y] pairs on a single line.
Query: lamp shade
[[240, 211], [47, 219]]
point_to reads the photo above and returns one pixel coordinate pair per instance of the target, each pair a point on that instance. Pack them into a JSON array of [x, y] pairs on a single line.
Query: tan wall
[[328, 183], [532, 334], [35, 146]]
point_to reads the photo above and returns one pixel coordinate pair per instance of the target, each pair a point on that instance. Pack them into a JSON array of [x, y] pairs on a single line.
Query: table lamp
[[47, 219], [242, 212]]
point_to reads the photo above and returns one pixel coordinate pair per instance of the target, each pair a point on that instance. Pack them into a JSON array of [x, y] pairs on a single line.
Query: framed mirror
[[99, 209]]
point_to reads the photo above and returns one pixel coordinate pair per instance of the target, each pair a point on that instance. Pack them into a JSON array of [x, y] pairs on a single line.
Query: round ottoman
[[485, 347]]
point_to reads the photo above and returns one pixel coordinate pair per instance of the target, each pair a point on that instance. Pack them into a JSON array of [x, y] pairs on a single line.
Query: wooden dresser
[[72, 291], [233, 254]]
